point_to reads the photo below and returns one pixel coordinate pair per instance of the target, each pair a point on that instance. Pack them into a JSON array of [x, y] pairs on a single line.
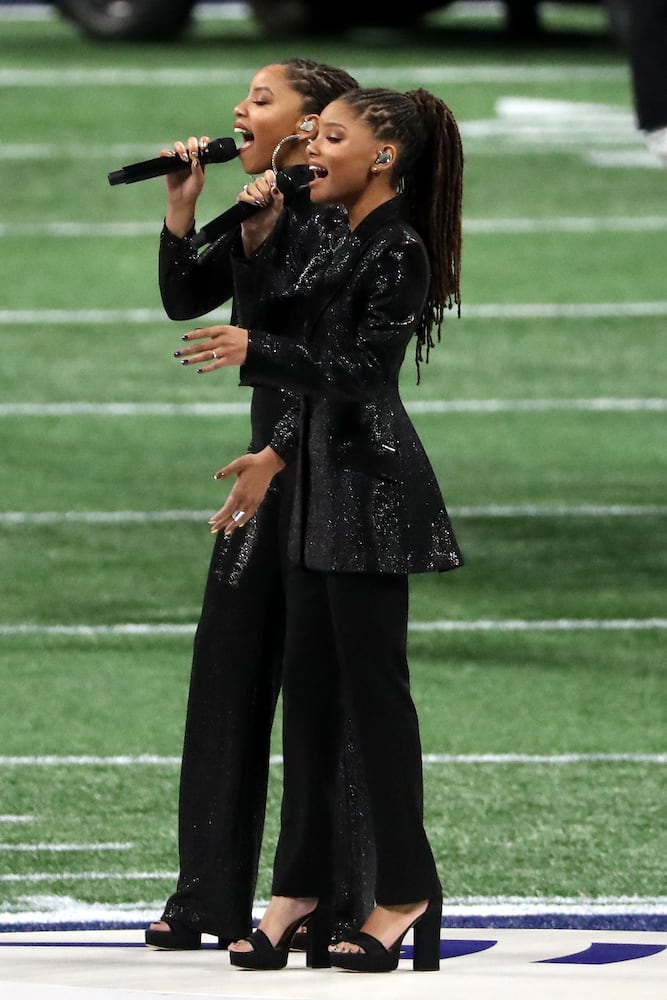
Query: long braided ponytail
[[429, 173], [434, 192]]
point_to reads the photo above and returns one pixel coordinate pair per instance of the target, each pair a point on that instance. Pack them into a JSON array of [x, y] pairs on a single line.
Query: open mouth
[[247, 137], [318, 171]]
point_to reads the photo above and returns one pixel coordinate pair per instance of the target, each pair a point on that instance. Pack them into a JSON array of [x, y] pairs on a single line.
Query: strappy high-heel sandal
[[265, 957], [179, 937], [376, 958]]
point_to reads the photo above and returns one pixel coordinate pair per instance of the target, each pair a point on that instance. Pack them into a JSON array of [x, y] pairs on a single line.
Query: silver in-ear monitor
[[306, 126], [383, 158]]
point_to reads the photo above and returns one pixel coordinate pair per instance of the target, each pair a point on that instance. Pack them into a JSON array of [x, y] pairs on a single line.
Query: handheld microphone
[[289, 182], [217, 151]]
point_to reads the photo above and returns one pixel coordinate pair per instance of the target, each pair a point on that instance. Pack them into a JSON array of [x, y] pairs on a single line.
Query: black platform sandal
[[265, 957], [376, 958], [179, 937]]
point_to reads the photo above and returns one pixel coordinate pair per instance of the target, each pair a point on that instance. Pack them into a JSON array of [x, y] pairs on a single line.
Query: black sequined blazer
[[367, 499], [193, 284]]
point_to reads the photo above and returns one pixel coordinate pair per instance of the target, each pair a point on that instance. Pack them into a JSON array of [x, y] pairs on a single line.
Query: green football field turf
[[539, 668]]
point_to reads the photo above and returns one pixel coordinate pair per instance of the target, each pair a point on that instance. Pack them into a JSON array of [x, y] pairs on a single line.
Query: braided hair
[[429, 173], [317, 83]]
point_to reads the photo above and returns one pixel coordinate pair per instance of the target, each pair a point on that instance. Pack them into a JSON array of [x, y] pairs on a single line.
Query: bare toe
[[346, 947], [241, 945]]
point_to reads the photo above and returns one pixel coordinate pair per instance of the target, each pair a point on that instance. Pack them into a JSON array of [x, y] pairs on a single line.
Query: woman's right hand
[[263, 193], [254, 472], [184, 186]]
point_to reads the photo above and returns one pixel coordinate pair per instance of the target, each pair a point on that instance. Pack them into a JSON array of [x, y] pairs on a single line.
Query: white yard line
[[158, 760], [546, 625], [491, 511], [492, 226], [86, 876], [64, 848], [175, 76], [564, 224], [486, 310], [602, 404], [144, 630], [481, 625]]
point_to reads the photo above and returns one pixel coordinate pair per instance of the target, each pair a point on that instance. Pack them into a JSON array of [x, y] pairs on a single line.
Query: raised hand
[[184, 186]]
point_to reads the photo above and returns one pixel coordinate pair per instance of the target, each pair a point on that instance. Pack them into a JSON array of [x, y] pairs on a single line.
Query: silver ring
[[215, 356], [238, 515], [245, 187]]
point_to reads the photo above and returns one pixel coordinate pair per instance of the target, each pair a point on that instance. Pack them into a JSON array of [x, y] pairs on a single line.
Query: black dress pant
[[647, 48], [234, 685], [345, 654]]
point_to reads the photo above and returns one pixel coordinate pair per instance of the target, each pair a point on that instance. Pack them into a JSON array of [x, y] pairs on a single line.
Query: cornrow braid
[[317, 83], [429, 173]]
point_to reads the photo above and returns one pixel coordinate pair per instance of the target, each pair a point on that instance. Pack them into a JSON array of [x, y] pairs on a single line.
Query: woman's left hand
[[222, 347]]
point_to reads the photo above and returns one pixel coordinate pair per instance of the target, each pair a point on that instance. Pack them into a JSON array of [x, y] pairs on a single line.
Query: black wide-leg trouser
[[234, 685], [345, 654], [647, 51]]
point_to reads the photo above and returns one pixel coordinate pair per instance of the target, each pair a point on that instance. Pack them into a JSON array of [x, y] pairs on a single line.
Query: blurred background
[[163, 19]]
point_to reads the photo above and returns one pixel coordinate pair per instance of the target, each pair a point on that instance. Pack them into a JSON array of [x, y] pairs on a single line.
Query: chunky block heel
[[426, 938], [318, 937], [376, 958]]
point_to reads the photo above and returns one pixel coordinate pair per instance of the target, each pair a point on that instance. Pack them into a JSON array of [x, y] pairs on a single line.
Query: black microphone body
[[289, 182], [217, 151]]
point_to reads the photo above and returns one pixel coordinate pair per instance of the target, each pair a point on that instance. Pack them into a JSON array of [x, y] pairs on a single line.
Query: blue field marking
[[454, 948], [561, 921], [606, 953]]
